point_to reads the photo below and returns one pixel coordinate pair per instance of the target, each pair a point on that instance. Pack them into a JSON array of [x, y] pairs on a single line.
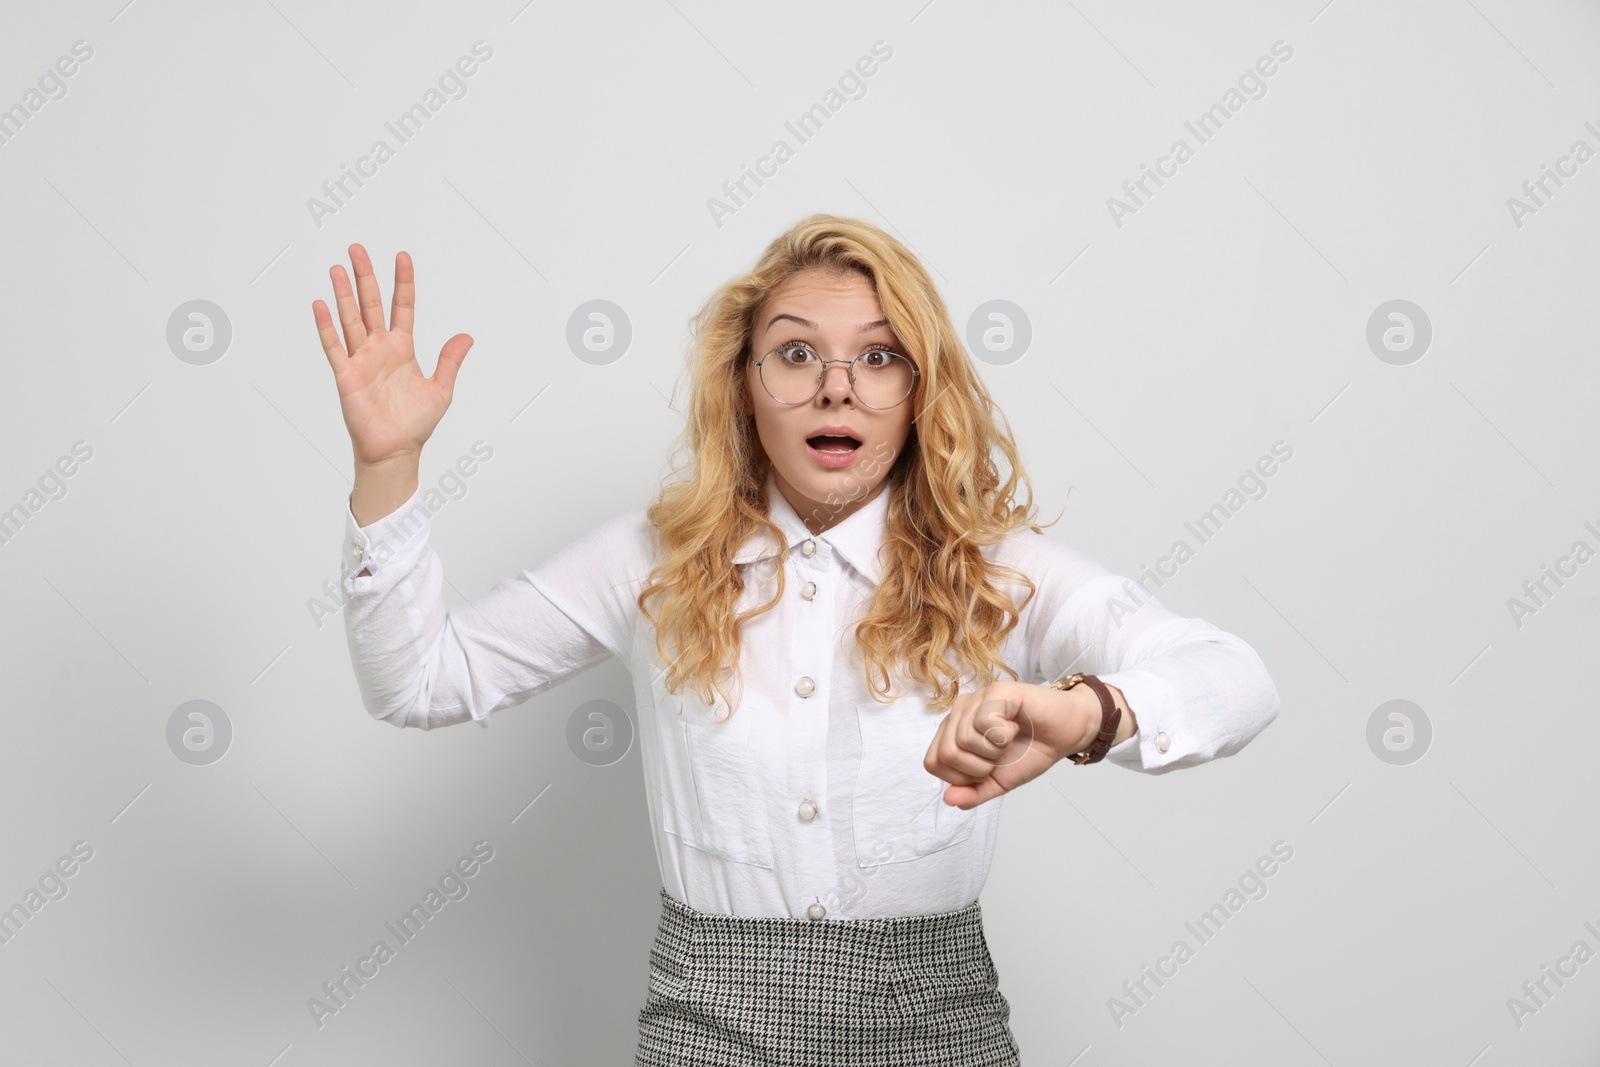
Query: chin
[[821, 483]]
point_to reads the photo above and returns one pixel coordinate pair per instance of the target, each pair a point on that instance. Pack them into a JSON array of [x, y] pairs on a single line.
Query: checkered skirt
[[737, 991]]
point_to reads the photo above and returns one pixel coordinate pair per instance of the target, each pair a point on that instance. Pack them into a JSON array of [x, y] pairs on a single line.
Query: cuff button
[[1163, 742]]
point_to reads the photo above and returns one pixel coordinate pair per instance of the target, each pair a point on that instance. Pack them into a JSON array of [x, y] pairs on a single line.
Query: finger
[[967, 797], [987, 735], [950, 762], [330, 337], [959, 767], [450, 357], [367, 290], [991, 727], [405, 294], [349, 311]]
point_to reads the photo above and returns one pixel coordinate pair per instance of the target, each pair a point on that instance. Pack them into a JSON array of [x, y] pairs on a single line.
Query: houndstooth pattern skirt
[[737, 991]]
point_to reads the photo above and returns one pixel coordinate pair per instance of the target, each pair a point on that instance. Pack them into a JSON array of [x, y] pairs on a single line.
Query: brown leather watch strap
[[1110, 717]]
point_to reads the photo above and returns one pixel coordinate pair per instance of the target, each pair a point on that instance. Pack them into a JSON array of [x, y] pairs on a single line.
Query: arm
[[1204, 694], [381, 488], [1094, 715], [1199, 693], [419, 664]]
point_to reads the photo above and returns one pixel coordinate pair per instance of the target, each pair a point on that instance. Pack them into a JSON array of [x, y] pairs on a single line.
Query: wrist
[[1094, 717], [1127, 725], [382, 487], [389, 465]]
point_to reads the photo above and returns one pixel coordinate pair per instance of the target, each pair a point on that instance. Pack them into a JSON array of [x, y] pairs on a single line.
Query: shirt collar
[[857, 538]]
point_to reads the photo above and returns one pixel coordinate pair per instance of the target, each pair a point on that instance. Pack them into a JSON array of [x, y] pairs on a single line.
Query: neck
[[819, 517]]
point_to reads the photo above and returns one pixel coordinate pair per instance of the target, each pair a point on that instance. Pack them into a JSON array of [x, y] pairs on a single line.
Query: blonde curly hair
[[937, 598]]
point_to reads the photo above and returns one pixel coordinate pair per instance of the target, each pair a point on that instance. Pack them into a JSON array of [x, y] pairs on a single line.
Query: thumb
[[450, 357], [967, 797]]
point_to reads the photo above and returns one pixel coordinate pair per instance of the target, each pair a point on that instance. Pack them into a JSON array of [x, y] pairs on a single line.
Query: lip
[[835, 460]]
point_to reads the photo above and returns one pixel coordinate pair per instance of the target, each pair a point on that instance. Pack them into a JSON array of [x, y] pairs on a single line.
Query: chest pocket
[[712, 793], [900, 812]]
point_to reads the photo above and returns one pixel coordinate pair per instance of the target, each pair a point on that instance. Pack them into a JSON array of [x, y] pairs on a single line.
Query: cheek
[[762, 415], [902, 430]]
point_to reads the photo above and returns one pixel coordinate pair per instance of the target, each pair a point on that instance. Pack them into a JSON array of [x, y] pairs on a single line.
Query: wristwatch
[[1110, 717]]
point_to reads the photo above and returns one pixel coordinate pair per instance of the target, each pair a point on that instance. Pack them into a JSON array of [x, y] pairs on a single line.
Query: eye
[[877, 364], [796, 354]]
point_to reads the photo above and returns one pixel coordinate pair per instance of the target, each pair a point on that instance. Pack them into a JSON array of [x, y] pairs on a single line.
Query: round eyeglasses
[[879, 378]]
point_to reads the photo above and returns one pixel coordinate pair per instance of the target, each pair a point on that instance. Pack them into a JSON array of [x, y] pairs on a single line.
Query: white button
[[808, 548], [816, 911], [805, 686], [808, 590], [356, 552], [808, 810], [1163, 742]]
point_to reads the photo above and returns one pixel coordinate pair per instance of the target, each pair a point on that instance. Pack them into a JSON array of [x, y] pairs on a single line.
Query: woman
[[844, 555]]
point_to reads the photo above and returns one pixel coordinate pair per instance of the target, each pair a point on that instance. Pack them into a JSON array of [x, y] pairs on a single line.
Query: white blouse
[[812, 800]]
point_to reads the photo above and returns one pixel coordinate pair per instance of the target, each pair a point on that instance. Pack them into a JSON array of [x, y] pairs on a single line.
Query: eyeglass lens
[[793, 375]]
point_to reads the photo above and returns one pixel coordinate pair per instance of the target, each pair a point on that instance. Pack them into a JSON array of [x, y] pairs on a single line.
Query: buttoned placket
[[812, 585]]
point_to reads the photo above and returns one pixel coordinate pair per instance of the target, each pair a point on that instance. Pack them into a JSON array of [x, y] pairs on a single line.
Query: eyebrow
[[863, 328]]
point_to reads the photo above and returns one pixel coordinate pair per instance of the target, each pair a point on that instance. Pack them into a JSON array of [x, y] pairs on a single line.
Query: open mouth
[[833, 446]]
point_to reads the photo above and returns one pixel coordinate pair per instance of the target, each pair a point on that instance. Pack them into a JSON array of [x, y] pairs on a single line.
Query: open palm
[[390, 407]]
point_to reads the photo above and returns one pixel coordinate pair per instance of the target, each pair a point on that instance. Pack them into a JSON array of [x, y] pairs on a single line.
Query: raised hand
[[390, 407]]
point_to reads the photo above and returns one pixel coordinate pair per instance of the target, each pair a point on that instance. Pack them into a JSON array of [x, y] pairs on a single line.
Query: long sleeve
[[419, 664], [1198, 692]]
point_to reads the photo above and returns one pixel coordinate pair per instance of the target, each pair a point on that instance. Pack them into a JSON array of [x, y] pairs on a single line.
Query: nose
[[836, 385]]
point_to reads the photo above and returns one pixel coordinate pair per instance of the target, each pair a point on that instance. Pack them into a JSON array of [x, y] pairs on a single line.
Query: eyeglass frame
[[822, 376]]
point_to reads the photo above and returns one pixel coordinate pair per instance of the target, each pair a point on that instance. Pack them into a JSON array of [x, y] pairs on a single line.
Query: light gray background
[[1167, 355]]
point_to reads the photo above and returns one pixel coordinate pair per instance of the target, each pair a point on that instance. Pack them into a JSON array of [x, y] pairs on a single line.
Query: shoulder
[[622, 547], [595, 579], [630, 532], [1045, 558]]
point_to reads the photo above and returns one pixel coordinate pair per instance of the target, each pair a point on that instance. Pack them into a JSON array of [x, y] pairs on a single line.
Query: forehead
[[833, 300]]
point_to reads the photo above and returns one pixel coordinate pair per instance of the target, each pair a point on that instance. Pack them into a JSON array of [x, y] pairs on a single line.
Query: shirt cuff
[[385, 548], [1161, 739]]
